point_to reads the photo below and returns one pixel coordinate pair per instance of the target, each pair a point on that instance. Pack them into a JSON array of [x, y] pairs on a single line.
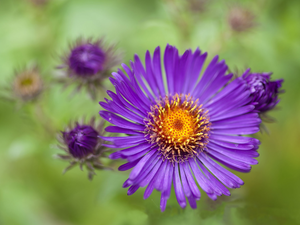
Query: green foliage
[[32, 189]]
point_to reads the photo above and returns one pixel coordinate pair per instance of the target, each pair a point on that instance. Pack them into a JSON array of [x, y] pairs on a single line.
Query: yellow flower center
[[27, 84], [178, 126], [27, 81]]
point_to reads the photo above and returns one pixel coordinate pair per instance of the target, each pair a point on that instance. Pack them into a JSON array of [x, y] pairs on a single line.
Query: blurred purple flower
[[81, 140], [180, 130], [86, 60], [82, 145], [88, 63]]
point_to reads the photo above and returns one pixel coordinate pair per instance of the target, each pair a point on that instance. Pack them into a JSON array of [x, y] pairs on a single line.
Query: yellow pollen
[[178, 126]]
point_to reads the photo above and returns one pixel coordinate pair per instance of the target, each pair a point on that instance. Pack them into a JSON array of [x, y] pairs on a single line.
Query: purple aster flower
[[87, 63], [263, 91], [180, 127], [83, 146]]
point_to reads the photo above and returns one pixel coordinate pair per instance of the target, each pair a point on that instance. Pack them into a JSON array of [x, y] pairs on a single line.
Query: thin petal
[[120, 122], [137, 169], [178, 188]]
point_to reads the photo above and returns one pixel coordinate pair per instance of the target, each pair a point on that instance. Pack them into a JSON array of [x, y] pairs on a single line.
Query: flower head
[[87, 63], [82, 145], [240, 19], [86, 60], [38, 2], [179, 130], [197, 5], [81, 140], [27, 85], [263, 90]]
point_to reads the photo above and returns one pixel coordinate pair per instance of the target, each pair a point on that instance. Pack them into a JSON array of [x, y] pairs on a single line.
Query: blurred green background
[[33, 190]]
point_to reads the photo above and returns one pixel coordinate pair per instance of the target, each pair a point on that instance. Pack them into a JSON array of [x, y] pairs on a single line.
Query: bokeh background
[[33, 190]]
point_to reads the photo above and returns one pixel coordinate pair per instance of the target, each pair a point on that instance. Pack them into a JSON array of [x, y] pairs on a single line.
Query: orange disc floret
[[178, 126]]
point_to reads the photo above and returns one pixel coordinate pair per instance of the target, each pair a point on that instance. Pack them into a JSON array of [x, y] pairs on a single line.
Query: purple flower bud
[[81, 141], [86, 59], [83, 146], [264, 92], [87, 63]]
